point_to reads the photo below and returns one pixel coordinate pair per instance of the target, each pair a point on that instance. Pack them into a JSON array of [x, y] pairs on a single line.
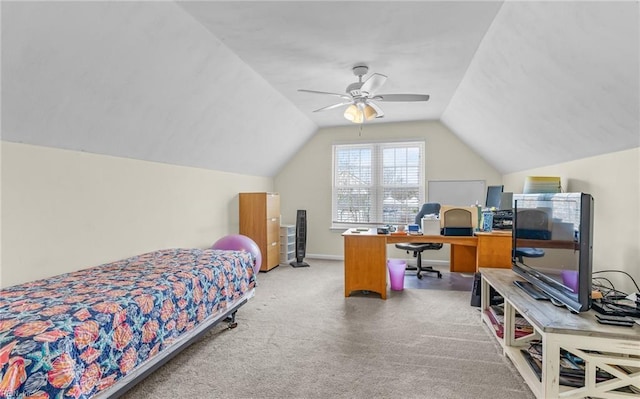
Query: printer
[[503, 219]]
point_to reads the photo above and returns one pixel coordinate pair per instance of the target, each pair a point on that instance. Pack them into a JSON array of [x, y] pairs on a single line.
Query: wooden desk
[[494, 249], [365, 256]]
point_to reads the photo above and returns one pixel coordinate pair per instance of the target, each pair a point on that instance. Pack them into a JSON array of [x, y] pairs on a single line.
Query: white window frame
[[407, 209]]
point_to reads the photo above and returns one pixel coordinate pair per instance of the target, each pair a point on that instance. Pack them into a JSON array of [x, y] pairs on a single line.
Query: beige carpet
[[299, 337]]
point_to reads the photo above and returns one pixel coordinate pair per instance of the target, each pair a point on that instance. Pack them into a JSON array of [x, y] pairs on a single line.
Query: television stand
[[531, 290], [559, 335]]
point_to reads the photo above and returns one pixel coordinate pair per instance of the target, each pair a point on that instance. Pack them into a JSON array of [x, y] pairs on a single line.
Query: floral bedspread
[[74, 335]]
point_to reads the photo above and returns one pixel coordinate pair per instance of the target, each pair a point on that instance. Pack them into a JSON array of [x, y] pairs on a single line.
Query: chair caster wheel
[[439, 275], [419, 276]]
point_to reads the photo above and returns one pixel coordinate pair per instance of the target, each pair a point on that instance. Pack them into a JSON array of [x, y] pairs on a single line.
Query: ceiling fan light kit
[[359, 113], [361, 95]]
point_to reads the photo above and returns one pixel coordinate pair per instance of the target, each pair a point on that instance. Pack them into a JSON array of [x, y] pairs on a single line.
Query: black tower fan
[[301, 239]]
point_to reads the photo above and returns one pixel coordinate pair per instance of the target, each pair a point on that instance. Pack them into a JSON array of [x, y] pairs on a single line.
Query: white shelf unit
[[287, 243], [602, 348]]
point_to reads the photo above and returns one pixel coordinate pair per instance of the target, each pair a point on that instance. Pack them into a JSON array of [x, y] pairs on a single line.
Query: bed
[[96, 332]]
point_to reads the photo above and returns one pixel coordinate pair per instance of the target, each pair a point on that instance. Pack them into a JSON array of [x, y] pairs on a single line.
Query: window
[[377, 183]]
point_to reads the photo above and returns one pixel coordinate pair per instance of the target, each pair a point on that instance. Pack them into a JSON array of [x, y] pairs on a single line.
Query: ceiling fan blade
[[401, 97], [378, 110], [373, 83], [333, 106], [346, 97]]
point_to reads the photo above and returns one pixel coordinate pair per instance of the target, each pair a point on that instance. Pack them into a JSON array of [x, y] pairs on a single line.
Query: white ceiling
[[214, 84], [423, 48]]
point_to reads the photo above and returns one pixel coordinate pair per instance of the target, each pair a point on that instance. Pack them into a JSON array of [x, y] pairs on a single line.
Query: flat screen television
[[494, 196], [553, 247]]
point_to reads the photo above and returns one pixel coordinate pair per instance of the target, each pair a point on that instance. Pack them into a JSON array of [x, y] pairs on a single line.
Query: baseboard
[[324, 257], [428, 262], [435, 262]]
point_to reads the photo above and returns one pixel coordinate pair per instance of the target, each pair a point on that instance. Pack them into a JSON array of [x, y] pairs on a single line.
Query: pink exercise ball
[[239, 242]]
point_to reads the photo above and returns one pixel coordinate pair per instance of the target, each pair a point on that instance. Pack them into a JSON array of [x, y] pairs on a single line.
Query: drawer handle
[[273, 244]]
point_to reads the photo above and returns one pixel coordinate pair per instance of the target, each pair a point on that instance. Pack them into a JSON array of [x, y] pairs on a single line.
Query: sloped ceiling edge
[[552, 82], [140, 80]]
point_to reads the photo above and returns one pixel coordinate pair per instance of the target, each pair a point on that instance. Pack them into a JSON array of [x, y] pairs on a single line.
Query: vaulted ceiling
[[215, 84]]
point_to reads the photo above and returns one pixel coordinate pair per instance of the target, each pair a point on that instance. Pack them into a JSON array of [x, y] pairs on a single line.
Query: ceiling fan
[[361, 95]]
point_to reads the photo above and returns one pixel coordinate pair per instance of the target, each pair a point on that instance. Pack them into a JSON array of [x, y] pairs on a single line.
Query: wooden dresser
[[260, 220]]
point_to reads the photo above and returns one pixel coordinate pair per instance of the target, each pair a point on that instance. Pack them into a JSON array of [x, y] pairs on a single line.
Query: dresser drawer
[[273, 255], [273, 206], [273, 230]]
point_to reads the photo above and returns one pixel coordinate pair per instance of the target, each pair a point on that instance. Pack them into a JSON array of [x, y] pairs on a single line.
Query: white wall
[[614, 182], [305, 182], [66, 210]]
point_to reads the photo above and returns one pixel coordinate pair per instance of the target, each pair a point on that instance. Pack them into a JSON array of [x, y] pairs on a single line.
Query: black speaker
[[476, 291], [301, 239]]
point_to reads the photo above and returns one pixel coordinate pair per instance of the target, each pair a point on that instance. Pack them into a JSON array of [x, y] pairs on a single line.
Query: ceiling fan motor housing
[[354, 88]]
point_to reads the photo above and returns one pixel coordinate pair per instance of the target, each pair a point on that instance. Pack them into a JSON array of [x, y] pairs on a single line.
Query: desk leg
[[463, 259], [365, 264]]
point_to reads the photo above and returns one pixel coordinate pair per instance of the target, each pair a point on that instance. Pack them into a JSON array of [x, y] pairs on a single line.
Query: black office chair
[[525, 252], [531, 224], [417, 248]]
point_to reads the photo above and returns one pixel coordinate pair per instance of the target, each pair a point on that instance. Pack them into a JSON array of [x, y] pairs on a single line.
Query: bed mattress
[[77, 334]]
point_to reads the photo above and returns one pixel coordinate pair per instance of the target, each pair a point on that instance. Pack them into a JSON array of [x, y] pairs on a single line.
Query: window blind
[[377, 183]]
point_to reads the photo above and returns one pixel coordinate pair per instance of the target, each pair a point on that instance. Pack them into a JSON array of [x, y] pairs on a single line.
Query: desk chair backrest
[[430, 208], [533, 224]]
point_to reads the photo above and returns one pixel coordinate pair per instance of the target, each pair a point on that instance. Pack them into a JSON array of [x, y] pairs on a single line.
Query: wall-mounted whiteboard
[[457, 192]]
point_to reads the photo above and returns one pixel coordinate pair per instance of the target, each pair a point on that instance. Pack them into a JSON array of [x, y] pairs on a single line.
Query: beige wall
[[305, 182], [65, 210], [614, 182]]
